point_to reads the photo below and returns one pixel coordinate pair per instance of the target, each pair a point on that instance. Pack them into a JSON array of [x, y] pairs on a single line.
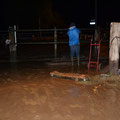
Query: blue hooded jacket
[[73, 33]]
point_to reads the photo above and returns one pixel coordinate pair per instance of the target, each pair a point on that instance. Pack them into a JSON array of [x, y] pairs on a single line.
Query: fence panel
[[49, 43]]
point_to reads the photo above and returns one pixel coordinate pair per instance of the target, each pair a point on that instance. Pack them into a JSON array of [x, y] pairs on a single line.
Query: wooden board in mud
[[72, 76]]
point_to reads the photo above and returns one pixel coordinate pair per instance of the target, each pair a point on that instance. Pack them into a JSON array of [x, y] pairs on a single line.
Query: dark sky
[[26, 13], [84, 10]]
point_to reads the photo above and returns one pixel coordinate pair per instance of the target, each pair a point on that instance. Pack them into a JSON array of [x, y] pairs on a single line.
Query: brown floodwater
[[28, 92]]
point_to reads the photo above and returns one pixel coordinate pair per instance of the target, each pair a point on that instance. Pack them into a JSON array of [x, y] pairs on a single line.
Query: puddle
[[27, 91]]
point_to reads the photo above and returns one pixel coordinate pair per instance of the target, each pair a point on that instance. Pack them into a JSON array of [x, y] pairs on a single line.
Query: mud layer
[[28, 92]]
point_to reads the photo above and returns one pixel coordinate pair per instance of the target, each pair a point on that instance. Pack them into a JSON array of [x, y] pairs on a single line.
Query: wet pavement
[[28, 92]]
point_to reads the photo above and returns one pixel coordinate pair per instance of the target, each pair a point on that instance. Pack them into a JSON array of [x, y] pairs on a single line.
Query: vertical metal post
[[96, 29], [12, 47], [96, 22], [55, 42], [15, 35]]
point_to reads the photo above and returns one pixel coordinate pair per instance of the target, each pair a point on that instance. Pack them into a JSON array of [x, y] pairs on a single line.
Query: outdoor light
[[92, 22]]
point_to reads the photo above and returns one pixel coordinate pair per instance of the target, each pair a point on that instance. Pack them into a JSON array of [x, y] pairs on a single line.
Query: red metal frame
[[94, 63]]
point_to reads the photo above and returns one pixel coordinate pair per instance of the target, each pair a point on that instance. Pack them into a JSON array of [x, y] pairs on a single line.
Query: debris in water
[[73, 76], [104, 75]]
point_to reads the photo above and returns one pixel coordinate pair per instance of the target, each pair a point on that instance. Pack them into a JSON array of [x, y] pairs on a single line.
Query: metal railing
[[53, 37], [43, 41]]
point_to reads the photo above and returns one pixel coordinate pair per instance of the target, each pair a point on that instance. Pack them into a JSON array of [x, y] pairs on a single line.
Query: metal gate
[[45, 43]]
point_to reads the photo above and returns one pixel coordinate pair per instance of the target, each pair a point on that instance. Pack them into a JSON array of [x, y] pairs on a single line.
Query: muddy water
[[28, 92]]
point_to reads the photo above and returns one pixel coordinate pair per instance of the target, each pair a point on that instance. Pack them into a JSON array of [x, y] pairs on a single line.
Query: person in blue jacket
[[74, 42]]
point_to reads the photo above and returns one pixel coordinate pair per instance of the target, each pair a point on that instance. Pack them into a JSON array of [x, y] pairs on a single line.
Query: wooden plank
[[71, 76]]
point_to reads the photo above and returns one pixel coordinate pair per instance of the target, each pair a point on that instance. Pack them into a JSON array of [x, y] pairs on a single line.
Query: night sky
[[59, 13]]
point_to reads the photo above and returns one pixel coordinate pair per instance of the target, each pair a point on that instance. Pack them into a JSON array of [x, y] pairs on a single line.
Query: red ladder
[[93, 63]]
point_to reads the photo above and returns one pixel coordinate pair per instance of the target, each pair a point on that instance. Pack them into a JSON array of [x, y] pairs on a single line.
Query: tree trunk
[[114, 48]]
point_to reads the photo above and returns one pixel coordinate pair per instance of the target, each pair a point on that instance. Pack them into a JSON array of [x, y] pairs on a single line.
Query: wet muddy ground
[[28, 92]]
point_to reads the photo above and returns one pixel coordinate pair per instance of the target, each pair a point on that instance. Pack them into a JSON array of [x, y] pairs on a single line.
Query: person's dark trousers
[[75, 50]]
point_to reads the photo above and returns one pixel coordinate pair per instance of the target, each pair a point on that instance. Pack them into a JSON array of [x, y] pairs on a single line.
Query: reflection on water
[[75, 91], [14, 69], [13, 66]]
